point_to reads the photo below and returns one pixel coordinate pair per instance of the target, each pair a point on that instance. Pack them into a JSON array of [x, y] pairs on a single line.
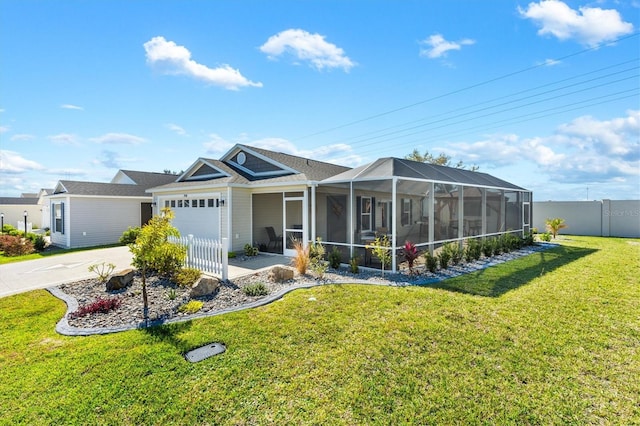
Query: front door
[[294, 221]]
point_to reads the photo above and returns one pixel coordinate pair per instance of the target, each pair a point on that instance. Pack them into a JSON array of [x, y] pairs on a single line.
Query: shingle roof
[[150, 179], [386, 168], [311, 169], [22, 201], [307, 170], [73, 187]]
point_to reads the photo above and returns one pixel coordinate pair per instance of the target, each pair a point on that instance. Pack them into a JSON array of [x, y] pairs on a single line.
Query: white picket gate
[[207, 255]]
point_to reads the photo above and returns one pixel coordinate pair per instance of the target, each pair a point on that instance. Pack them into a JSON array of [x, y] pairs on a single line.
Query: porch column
[[394, 230], [431, 210], [351, 210], [313, 212]]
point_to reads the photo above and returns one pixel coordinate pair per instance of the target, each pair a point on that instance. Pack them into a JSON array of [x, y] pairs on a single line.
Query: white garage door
[[197, 216]]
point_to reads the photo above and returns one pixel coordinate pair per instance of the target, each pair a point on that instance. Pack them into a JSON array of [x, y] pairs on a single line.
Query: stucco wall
[[607, 218]]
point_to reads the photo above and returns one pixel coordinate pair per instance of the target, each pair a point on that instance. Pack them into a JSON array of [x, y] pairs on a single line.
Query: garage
[[197, 216]]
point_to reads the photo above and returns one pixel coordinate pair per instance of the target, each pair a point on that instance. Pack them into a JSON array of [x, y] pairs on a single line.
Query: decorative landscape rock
[[120, 280], [280, 274], [205, 286]]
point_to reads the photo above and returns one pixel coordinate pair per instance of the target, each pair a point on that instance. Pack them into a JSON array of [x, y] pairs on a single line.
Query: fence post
[[190, 250], [225, 259]]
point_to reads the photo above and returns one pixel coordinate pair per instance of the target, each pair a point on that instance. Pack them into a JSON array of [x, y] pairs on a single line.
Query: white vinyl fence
[[207, 255]]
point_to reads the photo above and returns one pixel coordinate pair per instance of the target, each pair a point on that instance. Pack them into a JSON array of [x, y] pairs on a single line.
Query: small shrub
[[129, 236], [319, 267], [473, 251], [231, 255], [103, 270], [301, 260], [256, 289], [444, 257], [100, 305], [487, 247], [529, 239], [335, 258], [13, 245], [555, 225], [39, 243], [316, 250], [186, 277], [430, 261], [191, 307], [410, 253], [457, 253], [172, 294], [545, 237], [353, 264], [250, 250]]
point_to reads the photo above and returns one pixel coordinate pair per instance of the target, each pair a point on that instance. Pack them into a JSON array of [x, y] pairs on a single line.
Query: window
[[405, 216], [201, 203], [58, 218], [173, 204], [365, 213], [210, 203], [167, 203]]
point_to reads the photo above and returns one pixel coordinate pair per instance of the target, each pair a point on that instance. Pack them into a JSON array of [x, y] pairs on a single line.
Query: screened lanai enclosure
[[405, 200]]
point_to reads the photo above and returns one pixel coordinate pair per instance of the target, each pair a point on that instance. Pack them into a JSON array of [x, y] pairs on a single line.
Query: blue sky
[[544, 94]]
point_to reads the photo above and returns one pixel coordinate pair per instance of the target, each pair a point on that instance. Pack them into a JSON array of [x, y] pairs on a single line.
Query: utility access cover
[[205, 352]]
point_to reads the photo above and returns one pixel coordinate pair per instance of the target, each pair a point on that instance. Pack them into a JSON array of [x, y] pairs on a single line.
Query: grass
[[552, 338], [50, 251]]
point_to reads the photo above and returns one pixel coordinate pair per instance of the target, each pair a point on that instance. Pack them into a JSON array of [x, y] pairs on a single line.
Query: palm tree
[[555, 225]]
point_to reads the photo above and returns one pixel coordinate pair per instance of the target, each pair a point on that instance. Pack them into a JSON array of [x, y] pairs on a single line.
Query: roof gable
[[203, 169], [255, 164]]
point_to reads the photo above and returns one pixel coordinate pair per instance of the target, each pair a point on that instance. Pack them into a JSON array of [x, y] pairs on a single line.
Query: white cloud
[[307, 47], [22, 137], [438, 47], [13, 163], [549, 62], [70, 106], [176, 129], [217, 145], [4, 129], [118, 138], [588, 25], [176, 60], [64, 139], [616, 137]]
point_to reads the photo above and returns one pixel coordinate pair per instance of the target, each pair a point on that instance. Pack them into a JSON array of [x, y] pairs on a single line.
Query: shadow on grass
[[498, 280], [168, 333]]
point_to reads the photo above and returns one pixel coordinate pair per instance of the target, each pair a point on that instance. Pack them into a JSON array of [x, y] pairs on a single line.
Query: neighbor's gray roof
[[386, 168], [22, 201], [74, 187]]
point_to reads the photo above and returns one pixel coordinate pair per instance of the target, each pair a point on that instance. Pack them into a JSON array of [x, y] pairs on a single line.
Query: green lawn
[[552, 338]]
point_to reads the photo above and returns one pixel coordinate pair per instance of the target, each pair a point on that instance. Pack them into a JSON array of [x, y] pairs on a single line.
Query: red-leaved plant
[[98, 305], [410, 253]]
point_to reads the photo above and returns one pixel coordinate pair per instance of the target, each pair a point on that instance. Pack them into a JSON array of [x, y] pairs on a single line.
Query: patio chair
[[273, 238]]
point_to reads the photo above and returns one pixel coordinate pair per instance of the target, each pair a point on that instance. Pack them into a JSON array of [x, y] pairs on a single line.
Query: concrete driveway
[[49, 271]]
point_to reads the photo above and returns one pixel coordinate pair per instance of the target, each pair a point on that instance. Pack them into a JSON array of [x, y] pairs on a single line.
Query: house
[[84, 214], [260, 197], [13, 210]]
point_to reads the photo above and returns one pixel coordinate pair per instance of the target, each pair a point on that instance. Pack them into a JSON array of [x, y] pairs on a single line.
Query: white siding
[[95, 221], [241, 231]]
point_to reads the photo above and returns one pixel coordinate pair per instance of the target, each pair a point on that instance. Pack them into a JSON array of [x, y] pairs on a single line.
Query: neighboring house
[[250, 190], [35, 205], [85, 214]]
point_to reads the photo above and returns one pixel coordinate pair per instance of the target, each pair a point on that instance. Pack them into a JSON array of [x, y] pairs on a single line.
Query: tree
[[152, 251], [555, 225], [441, 160], [381, 248]]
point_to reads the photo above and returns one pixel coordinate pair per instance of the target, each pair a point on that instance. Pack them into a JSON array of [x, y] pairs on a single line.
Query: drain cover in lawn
[[205, 352]]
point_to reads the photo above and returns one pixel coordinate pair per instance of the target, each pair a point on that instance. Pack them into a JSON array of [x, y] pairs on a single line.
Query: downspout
[[313, 212]]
